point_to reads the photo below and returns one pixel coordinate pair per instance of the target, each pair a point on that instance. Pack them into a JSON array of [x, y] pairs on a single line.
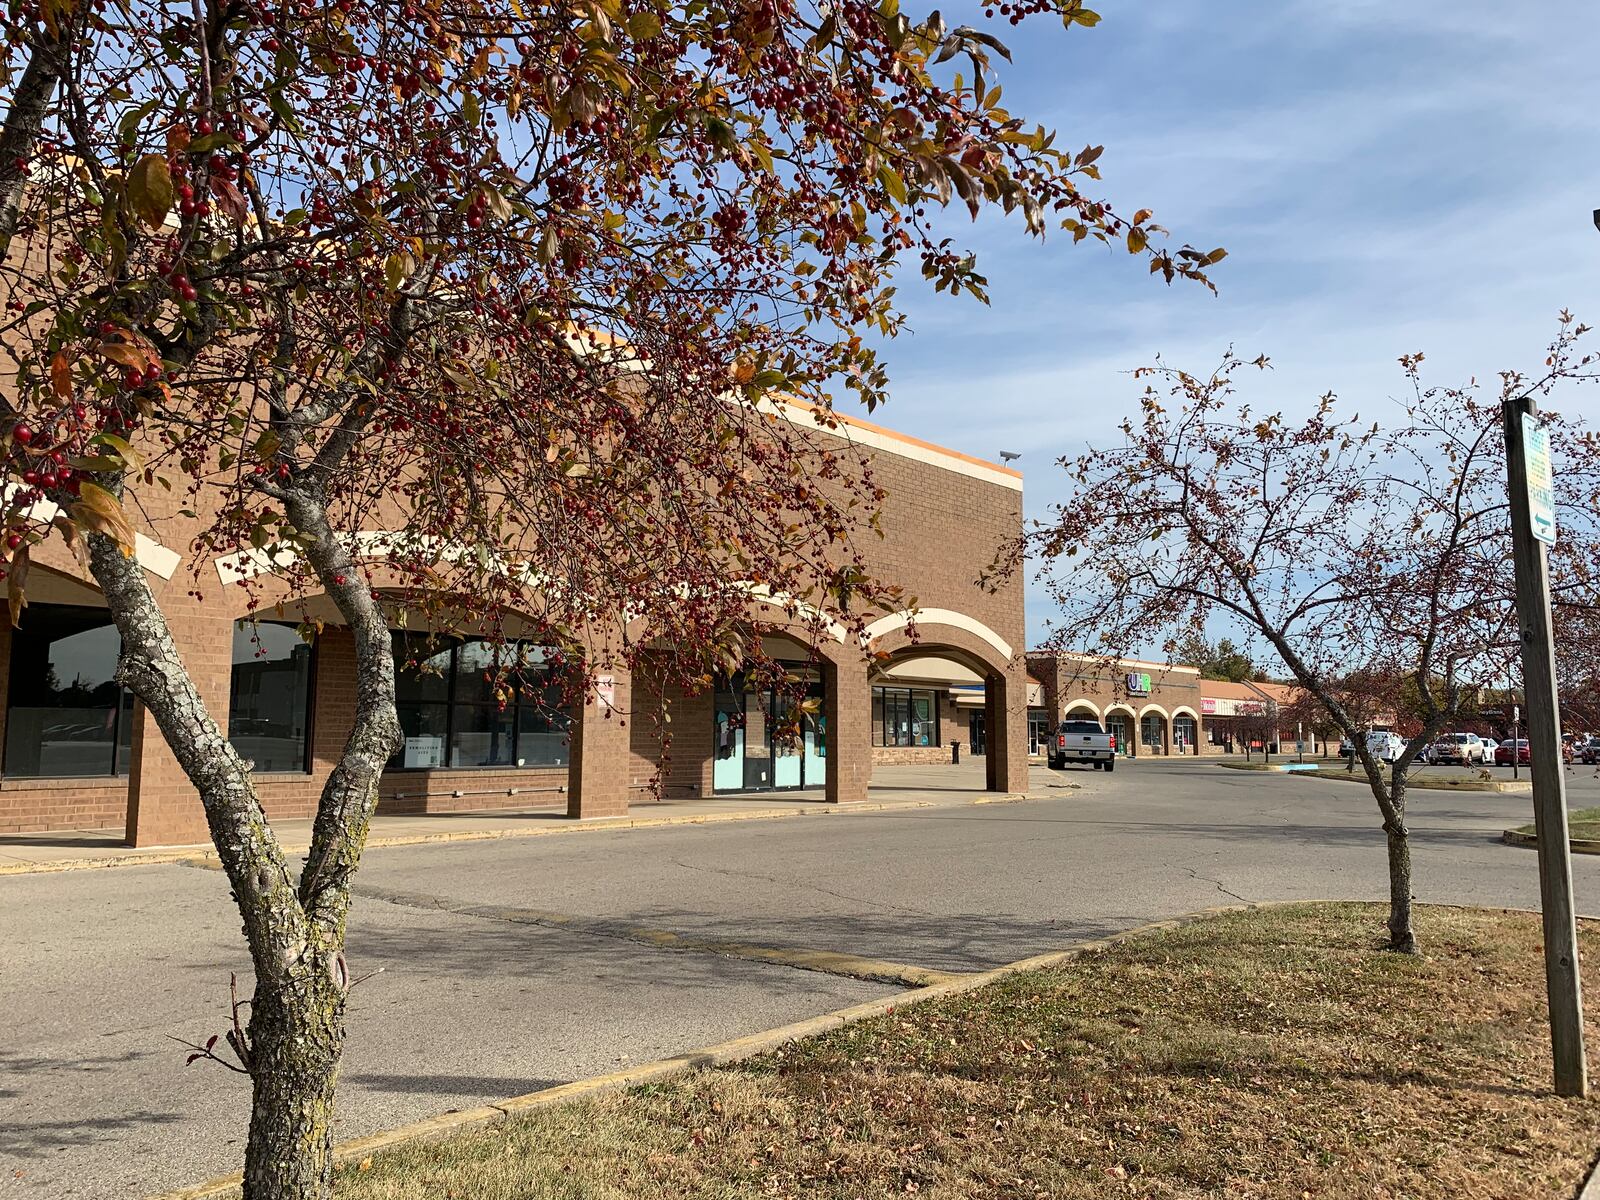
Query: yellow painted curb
[[197, 853], [721, 1054]]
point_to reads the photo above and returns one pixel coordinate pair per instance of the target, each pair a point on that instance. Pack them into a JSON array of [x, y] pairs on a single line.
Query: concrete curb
[[1512, 837], [198, 853], [735, 1050], [1589, 1189], [1485, 786]]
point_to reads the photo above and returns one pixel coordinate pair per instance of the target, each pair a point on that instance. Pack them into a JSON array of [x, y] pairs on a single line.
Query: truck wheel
[[1097, 764], [1111, 764]]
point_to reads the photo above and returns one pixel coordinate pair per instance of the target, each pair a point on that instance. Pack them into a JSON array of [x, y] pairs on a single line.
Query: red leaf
[[231, 200]]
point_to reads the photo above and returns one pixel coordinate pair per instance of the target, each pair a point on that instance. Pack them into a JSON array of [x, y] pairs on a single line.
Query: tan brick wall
[[942, 527], [1066, 680]]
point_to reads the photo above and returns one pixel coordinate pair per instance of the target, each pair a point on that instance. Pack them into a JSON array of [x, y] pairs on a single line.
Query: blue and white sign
[[1541, 490]]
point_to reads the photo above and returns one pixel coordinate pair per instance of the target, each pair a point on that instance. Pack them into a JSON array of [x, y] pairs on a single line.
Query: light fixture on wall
[[1009, 456]]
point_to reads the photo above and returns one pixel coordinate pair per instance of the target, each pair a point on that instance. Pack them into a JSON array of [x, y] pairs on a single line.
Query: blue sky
[[1386, 176]]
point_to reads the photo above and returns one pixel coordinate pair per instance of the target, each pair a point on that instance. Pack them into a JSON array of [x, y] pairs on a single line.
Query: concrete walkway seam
[[827, 962], [721, 1054], [197, 854]]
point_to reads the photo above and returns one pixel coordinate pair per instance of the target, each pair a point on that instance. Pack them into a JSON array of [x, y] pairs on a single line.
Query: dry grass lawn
[[1581, 823], [1266, 1054]]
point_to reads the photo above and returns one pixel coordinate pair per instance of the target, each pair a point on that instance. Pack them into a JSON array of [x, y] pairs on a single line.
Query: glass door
[[757, 743], [727, 746]]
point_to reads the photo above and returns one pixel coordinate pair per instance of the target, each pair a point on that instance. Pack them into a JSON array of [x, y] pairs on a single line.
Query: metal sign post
[[1533, 527], [1516, 740]]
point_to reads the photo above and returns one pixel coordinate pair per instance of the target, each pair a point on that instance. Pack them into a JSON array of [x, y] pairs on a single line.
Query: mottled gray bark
[[295, 932], [19, 138]]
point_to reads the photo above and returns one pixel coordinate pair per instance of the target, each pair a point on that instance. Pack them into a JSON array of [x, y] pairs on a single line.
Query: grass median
[[1257, 1054], [1583, 824]]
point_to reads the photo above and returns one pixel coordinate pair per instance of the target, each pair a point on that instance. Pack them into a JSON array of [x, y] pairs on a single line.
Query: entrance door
[[1117, 727], [757, 744], [746, 753], [977, 735]]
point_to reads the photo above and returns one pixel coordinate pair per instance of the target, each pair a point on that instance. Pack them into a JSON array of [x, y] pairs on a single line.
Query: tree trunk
[[296, 1035], [20, 134], [1402, 937]]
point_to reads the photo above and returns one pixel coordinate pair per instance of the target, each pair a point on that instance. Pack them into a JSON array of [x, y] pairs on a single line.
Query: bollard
[[955, 754]]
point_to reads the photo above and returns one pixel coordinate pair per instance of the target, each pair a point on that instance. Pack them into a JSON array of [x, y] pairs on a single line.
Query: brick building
[[1153, 709], [79, 753]]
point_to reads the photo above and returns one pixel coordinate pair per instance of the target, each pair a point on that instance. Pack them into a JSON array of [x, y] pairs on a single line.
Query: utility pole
[[1533, 528]]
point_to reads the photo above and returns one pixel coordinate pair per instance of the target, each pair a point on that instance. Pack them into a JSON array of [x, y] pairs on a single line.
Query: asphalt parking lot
[[511, 965]]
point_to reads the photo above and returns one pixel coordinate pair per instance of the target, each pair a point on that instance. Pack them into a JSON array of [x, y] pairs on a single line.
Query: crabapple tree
[[556, 295], [1356, 550]]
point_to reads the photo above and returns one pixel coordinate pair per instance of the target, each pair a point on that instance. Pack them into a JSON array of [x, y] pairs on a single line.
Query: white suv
[[1384, 745], [1463, 748]]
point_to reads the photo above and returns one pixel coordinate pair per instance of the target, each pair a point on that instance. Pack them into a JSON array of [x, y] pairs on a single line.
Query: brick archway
[[1004, 675]]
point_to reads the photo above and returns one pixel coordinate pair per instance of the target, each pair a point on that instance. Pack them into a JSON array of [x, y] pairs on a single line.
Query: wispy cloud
[[1387, 178]]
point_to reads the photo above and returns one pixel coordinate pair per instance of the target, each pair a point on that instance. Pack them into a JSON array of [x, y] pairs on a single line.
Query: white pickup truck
[[1083, 741]]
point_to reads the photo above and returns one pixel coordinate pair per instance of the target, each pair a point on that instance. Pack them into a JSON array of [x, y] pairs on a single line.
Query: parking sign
[[1541, 495]]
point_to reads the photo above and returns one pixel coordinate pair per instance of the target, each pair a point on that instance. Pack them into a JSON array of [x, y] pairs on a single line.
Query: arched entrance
[[987, 706], [1153, 730], [1185, 732], [1119, 723]]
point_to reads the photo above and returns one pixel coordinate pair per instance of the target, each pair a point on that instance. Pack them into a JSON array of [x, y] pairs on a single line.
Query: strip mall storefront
[[79, 754], [1152, 709]]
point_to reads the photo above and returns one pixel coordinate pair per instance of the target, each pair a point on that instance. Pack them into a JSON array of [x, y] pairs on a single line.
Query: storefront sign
[[1138, 683], [424, 752], [1208, 708], [605, 690]]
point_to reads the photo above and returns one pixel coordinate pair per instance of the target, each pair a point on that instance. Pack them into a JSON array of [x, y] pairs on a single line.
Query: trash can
[[955, 754]]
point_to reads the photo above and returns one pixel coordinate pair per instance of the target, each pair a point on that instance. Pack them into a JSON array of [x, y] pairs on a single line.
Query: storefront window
[[269, 699], [1039, 731], [1184, 735], [1152, 731], [471, 703], [66, 715], [905, 717]]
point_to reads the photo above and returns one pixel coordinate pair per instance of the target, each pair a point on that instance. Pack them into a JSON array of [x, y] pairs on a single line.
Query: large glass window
[[66, 716], [470, 703], [269, 699], [905, 717]]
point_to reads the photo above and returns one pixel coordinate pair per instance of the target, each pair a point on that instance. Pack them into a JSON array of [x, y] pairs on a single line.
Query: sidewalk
[[893, 788]]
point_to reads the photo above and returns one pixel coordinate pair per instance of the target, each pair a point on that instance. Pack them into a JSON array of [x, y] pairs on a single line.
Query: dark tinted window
[[269, 699], [1081, 727], [472, 703], [65, 715]]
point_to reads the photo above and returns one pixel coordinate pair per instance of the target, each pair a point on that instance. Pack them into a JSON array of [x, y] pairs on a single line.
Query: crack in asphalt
[[1217, 883]]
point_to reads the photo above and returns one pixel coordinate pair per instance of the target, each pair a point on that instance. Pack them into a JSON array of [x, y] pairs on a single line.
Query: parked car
[[1466, 749], [1509, 752], [1385, 745], [1589, 751], [1083, 741]]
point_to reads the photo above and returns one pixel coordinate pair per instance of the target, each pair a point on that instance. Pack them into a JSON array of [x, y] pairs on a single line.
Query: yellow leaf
[[365, 1165], [16, 579], [98, 510], [150, 189], [61, 375]]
